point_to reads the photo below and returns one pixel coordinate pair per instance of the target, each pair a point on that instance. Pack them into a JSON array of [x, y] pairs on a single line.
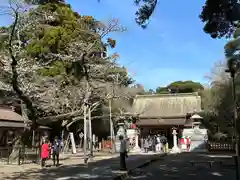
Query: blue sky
[[173, 47]]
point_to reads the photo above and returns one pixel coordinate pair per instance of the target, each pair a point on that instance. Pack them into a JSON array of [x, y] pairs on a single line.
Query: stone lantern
[[196, 120], [120, 132], [175, 148], [198, 135], [136, 147]]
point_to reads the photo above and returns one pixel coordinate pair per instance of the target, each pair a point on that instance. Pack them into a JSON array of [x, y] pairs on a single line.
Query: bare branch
[[112, 26]]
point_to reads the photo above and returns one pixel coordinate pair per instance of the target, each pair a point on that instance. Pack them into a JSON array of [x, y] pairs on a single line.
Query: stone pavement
[[64, 159], [102, 167], [179, 167]]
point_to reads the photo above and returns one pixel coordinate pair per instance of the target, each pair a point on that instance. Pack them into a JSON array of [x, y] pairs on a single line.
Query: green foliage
[[3, 37], [162, 90], [145, 11], [119, 75], [54, 40], [55, 35], [232, 47], [181, 87], [59, 43], [57, 68], [220, 17], [39, 2]]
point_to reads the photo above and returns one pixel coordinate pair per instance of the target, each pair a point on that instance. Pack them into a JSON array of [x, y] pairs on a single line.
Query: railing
[[221, 146], [19, 155], [29, 155], [5, 155]]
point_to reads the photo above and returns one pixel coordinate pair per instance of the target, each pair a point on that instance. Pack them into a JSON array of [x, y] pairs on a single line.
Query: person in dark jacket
[[154, 143], [150, 143], [123, 153], [56, 146]]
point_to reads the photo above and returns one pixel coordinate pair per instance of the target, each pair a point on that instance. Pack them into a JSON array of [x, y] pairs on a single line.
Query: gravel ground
[[179, 167]]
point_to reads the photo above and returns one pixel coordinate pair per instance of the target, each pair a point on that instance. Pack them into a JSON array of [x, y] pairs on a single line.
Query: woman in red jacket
[[44, 152]]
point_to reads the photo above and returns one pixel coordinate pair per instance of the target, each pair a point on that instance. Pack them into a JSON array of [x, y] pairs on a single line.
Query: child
[[44, 153]]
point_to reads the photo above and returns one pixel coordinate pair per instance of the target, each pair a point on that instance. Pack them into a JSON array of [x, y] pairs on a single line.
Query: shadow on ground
[[180, 167], [103, 169]]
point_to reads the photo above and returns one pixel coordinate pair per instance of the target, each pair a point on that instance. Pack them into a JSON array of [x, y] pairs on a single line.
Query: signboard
[[74, 150]]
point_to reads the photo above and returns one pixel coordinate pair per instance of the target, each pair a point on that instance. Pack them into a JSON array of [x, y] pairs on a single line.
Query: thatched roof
[[10, 115], [9, 118], [156, 122], [166, 105]]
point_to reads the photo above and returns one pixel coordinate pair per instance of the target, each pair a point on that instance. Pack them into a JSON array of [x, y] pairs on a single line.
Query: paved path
[[101, 168], [179, 167]]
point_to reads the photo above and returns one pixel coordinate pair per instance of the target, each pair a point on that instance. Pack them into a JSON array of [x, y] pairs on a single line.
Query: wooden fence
[[19, 155], [221, 146]]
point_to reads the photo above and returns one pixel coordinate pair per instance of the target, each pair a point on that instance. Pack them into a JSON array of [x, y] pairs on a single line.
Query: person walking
[[146, 145], [188, 143], [158, 146], [163, 143], [150, 143], [154, 143], [56, 146], [44, 152], [123, 153]]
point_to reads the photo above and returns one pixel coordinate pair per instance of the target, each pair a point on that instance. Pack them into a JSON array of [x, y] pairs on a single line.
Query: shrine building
[[159, 113]]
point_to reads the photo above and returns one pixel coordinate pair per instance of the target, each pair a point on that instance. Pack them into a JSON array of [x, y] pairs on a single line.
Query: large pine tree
[[56, 50]]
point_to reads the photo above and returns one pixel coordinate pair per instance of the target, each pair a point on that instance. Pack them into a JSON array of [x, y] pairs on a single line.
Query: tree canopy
[[219, 17], [232, 49], [56, 60], [181, 87]]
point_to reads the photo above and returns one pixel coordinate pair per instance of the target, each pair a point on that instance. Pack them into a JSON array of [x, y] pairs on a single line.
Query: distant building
[[12, 124], [159, 113]]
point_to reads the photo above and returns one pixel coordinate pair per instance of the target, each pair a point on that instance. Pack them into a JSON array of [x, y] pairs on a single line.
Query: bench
[[193, 163], [223, 163]]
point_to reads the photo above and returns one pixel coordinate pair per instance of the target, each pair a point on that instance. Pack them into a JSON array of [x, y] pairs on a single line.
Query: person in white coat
[[158, 145]]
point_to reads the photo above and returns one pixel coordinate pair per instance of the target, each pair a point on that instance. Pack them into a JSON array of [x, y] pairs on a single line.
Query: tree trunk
[[16, 145], [15, 85]]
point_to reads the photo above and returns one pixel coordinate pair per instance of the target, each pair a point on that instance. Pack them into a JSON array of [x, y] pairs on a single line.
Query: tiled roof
[[166, 105]]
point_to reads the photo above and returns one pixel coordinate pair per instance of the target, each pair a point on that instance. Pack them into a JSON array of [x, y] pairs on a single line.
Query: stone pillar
[[136, 141], [175, 148], [136, 148], [174, 139]]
